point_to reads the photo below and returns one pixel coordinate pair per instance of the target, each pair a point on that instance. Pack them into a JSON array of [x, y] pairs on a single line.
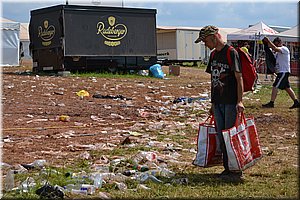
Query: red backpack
[[248, 69]]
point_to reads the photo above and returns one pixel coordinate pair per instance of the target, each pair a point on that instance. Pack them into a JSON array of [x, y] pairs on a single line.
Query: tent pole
[[254, 53]]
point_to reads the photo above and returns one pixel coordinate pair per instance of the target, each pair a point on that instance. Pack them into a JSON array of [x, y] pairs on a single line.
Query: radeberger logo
[[113, 32], [46, 33]]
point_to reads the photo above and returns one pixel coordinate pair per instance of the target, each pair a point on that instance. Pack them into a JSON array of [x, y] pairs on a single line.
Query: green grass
[[272, 177], [109, 75]]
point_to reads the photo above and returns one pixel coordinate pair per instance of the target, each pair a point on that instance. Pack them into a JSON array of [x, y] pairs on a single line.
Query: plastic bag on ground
[[156, 70]]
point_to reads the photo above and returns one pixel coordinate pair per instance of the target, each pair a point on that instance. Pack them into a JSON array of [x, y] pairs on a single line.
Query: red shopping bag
[[242, 144], [209, 152]]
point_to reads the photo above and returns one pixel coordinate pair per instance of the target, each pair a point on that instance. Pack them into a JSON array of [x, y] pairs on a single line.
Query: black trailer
[[74, 38]]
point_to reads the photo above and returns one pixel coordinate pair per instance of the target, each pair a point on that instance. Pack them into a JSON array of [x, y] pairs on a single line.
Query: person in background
[[226, 89], [282, 70], [245, 47]]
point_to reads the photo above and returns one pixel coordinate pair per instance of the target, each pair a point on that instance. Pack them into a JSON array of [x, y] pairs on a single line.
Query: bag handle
[[240, 118], [211, 119]]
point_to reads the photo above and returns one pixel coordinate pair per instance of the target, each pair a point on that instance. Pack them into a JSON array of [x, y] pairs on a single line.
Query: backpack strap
[[212, 54], [228, 55]]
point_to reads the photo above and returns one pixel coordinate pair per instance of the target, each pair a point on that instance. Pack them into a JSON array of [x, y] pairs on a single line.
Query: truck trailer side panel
[[109, 33], [71, 37]]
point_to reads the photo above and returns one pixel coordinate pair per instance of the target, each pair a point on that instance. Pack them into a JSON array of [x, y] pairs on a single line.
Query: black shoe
[[234, 177], [295, 105], [268, 105], [224, 173]]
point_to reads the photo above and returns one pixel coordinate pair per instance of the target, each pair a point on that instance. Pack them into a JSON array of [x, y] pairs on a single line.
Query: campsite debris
[[181, 181], [63, 118], [48, 191], [103, 195], [143, 177], [4, 165], [27, 185], [82, 93], [146, 167], [121, 186], [121, 97], [143, 187], [9, 181], [59, 92]]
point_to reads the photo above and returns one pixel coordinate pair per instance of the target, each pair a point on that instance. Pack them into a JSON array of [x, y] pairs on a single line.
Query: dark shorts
[[282, 81]]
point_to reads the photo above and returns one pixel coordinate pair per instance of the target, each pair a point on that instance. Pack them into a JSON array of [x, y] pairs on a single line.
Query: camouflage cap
[[206, 31]]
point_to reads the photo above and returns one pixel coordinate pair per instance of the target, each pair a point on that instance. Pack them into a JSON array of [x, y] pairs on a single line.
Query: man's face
[[210, 41], [276, 43]]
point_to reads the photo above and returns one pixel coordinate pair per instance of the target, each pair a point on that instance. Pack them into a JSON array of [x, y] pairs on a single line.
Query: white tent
[[255, 32], [10, 42], [24, 38], [291, 35]]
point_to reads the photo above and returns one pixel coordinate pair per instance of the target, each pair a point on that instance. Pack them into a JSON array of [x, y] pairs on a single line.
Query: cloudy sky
[[197, 13]]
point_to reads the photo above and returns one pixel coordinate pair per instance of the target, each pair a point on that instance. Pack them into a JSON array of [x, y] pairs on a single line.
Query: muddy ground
[[32, 104]]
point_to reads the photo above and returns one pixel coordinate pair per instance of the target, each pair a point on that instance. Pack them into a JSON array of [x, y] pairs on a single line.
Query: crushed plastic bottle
[[142, 186], [74, 191], [141, 168], [129, 172], [98, 181], [143, 177], [121, 185], [166, 172], [28, 184], [144, 155], [90, 189], [9, 180], [39, 163]]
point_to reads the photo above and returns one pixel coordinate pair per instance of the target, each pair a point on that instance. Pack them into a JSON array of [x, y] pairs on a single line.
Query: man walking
[[282, 70], [226, 88]]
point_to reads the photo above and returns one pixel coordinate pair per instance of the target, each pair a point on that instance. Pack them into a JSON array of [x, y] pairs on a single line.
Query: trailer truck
[[75, 38]]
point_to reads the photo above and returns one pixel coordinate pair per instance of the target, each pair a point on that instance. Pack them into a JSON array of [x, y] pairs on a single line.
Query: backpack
[[248, 69]]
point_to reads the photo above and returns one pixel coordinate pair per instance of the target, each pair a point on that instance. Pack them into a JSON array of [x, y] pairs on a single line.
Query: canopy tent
[[291, 35], [10, 42], [24, 38], [255, 32]]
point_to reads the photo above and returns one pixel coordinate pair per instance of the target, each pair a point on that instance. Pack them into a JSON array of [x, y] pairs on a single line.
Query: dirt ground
[[31, 105]]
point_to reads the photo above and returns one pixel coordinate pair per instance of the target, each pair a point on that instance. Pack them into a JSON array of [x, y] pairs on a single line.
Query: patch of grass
[[109, 75]]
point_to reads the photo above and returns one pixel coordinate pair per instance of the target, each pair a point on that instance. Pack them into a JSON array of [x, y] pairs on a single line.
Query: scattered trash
[[82, 93], [63, 118], [268, 114], [143, 177], [103, 195], [121, 186], [85, 155], [4, 165], [111, 97], [126, 141], [35, 164], [142, 186], [98, 181], [9, 181], [50, 192], [156, 71], [27, 185], [59, 92], [129, 172], [187, 100], [181, 181]]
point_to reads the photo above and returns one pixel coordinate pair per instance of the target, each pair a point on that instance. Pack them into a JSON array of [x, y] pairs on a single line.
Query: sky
[[190, 13]]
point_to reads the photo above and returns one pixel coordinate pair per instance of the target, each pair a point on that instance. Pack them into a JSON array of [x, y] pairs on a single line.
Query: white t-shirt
[[283, 60]]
